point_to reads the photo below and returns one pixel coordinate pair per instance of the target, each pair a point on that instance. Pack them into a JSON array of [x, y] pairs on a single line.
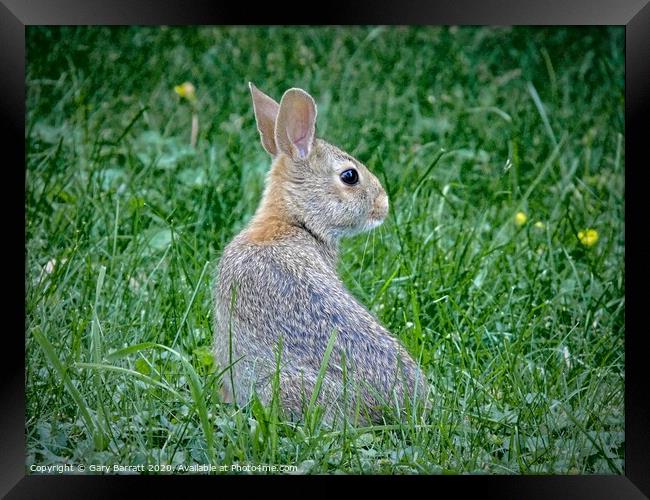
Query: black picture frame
[[15, 15]]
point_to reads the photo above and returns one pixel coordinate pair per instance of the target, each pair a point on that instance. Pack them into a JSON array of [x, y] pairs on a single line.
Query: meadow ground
[[499, 149]]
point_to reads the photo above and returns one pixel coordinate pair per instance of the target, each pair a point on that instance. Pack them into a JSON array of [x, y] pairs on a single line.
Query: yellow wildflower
[[588, 237], [520, 218], [187, 91], [540, 225]]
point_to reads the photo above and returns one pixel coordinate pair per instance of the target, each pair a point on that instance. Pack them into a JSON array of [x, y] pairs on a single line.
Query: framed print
[[386, 242]]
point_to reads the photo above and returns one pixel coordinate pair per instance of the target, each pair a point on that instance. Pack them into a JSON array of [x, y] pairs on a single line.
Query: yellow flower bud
[[588, 237], [186, 90], [520, 218]]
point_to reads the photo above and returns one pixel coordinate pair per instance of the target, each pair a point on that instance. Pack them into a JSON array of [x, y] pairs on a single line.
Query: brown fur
[[271, 221]]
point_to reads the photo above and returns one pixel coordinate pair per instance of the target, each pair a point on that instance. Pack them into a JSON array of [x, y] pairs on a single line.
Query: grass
[[519, 327]]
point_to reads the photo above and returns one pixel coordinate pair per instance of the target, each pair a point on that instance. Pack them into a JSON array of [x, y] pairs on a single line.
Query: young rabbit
[[277, 296]]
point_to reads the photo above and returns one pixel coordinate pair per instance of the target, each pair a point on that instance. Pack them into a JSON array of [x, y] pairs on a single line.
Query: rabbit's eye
[[350, 176]]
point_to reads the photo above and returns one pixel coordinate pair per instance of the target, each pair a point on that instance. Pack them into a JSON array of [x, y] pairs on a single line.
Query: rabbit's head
[[313, 182]]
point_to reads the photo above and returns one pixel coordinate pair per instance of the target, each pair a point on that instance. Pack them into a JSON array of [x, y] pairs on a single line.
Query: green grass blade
[[55, 362], [321, 371], [132, 373]]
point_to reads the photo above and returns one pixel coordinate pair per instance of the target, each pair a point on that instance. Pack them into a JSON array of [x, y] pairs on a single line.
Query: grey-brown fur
[[280, 274]]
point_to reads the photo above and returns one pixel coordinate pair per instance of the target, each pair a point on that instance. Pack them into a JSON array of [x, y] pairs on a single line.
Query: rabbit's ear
[[266, 111], [295, 125]]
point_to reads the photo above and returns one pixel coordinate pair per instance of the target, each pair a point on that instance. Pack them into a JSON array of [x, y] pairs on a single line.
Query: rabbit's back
[[286, 292]]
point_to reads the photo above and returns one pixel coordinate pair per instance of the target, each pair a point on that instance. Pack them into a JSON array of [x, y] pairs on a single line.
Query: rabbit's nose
[[380, 208]]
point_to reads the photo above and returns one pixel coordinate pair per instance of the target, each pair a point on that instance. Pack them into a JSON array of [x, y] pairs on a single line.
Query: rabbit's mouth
[[377, 215], [374, 222]]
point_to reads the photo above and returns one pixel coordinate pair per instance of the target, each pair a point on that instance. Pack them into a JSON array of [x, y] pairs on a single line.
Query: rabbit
[[277, 297]]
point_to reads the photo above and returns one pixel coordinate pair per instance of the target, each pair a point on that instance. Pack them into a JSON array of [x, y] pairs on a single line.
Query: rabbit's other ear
[[295, 125], [266, 112]]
